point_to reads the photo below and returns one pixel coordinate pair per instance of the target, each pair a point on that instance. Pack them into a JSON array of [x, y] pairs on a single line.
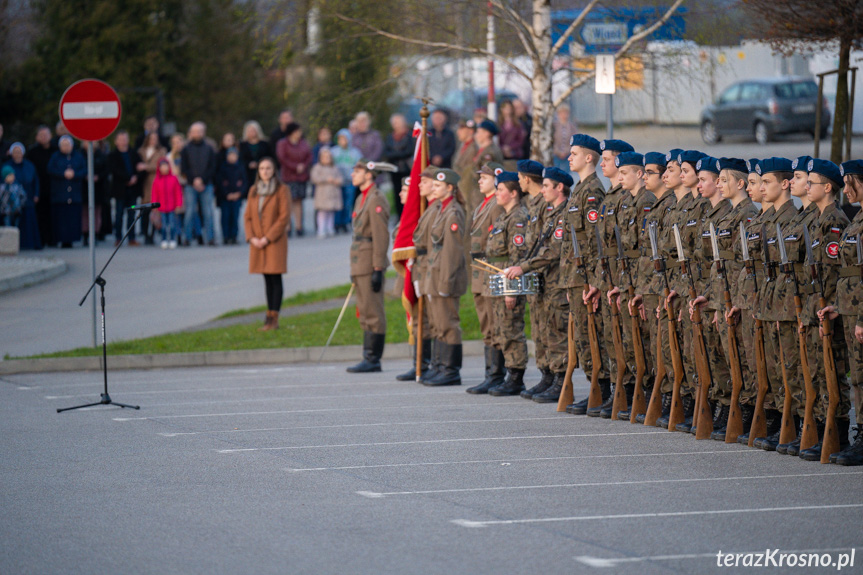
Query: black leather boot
[[544, 383], [688, 409], [605, 386], [630, 391], [373, 349], [411, 374], [747, 413], [577, 408], [487, 383], [552, 394], [814, 452], [720, 422], [662, 420], [773, 420], [450, 374], [792, 447], [435, 366], [513, 385], [853, 455], [842, 424], [605, 408]]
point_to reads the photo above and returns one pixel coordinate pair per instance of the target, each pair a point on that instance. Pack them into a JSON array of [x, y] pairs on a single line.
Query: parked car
[[462, 103], [763, 108]]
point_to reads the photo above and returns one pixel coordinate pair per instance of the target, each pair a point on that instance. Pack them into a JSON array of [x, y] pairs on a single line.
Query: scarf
[[264, 189]]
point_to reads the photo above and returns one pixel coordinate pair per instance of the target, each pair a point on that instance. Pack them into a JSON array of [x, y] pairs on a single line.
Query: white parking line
[[475, 524], [380, 495], [508, 461], [426, 441], [603, 562], [349, 425]]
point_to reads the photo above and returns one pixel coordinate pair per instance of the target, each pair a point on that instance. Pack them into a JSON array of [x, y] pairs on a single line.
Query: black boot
[[411, 374], [720, 422], [543, 385], [435, 366], [605, 408], [662, 420], [373, 349], [451, 356], [773, 421], [486, 383], [688, 409], [747, 413], [853, 455], [605, 386], [842, 424], [577, 408], [498, 371], [792, 447], [552, 394], [630, 391], [814, 452], [513, 385]]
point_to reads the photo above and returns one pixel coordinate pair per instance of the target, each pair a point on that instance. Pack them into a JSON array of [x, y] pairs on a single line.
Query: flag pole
[[424, 150]]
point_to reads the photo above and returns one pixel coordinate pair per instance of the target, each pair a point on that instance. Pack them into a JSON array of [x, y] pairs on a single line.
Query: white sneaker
[[164, 245], [172, 245]]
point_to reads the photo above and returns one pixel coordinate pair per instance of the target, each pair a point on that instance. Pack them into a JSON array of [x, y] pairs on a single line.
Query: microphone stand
[[100, 281]]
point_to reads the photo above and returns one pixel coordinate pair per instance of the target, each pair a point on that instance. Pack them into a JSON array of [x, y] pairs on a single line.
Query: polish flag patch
[[518, 240], [454, 227], [592, 216], [646, 208], [832, 249], [836, 231], [490, 227]]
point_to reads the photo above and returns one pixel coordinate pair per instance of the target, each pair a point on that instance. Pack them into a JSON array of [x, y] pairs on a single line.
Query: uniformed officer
[[369, 260], [447, 276], [486, 151], [481, 223]]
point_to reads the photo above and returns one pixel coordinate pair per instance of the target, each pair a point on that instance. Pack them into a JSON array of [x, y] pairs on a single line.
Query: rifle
[[620, 402], [676, 416], [759, 418], [735, 416], [594, 399], [788, 431], [566, 395], [830, 442], [703, 417]]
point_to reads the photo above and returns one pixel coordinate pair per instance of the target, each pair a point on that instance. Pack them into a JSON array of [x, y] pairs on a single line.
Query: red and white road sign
[[90, 110]]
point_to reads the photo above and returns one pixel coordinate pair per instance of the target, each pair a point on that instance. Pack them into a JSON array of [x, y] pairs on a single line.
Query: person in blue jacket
[[67, 170], [26, 175]]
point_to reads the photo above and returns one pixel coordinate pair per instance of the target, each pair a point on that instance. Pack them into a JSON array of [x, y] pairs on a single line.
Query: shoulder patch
[[379, 209], [593, 216], [454, 227], [832, 250], [558, 233], [518, 239]]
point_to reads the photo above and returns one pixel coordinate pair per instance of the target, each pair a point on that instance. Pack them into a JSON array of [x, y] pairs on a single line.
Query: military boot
[[814, 452], [552, 394], [720, 422], [435, 366], [577, 408], [488, 382], [605, 386], [605, 408], [793, 446], [513, 385], [774, 424], [450, 374], [411, 374], [747, 412], [544, 383], [630, 390], [373, 349], [662, 420], [842, 424], [853, 455], [688, 409]]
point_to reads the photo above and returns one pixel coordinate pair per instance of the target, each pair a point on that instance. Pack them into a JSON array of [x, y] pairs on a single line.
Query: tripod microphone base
[[106, 400]]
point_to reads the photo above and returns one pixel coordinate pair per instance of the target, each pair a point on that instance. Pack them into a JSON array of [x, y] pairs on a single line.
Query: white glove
[[443, 294], [417, 287]]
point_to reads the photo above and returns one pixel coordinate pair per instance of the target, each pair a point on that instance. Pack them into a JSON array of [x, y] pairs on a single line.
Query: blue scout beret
[[851, 167], [774, 164], [827, 169], [655, 158], [799, 165], [752, 165], [672, 156], [616, 146], [585, 141], [735, 164], [629, 159], [690, 156], [707, 164], [530, 167], [558, 175], [489, 126]]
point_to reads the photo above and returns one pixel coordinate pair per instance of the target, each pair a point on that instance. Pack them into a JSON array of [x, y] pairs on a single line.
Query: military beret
[[467, 124], [752, 165], [735, 164], [657, 158], [530, 167], [629, 159], [672, 156], [827, 169], [616, 146], [376, 166], [558, 175], [489, 126], [706, 164], [585, 141], [852, 167], [774, 164], [447, 176], [690, 156], [429, 172], [406, 181], [505, 177], [799, 165], [491, 169]]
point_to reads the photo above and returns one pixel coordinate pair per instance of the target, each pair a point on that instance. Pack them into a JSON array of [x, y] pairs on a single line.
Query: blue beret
[[799, 165], [629, 159], [735, 164], [530, 167], [706, 164], [827, 169], [585, 141], [752, 165], [488, 125], [672, 155], [616, 146], [655, 158], [774, 164], [558, 175], [852, 167], [691, 156], [505, 177]]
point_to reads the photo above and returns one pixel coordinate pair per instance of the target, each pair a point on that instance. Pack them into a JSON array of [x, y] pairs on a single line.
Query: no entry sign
[[90, 110]]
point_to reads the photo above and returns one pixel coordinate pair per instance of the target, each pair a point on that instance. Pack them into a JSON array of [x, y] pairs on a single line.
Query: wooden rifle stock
[[676, 416], [566, 394], [654, 408], [639, 402], [759, 418], [809, 436], [703, 419], [594, 398], [830, 442], [620, 402], [735, 416]]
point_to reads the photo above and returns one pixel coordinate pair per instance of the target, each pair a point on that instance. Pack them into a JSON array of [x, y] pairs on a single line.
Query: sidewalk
[[18, 272]]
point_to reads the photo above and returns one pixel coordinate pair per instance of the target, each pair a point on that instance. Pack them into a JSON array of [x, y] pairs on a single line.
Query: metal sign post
[[605, 84]]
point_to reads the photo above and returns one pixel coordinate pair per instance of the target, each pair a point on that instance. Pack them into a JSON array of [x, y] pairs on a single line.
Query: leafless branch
[[569, 29]]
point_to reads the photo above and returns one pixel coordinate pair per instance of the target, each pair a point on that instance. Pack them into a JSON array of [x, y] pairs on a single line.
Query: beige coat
[[271, 223], [328, 196]]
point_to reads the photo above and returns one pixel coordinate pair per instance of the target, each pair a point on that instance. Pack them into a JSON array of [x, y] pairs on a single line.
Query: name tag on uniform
[[573, 209], [771, 241], [850, 240], [724, 233], [611, 211], [496, 231], [705, 235], [816, 243], [691, 223], [533, 219], [753, 236], [623, 207], [632, 221], [791, 238]]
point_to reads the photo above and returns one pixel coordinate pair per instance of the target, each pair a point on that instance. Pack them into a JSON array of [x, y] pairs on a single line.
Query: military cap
[[406, 181], [690, 156], [752, 165], [735, 164], [447, 176], [853, 167], [707, 164], [467, 124], [529, 167], [657, 158], [558, 175], [491, 169], [629, 159], [585, 141], [616, 146], [489, 126], [827, 169], [502, 176], [376, 166], [672, 156], [799, 165], [429, 172], [774, 164]]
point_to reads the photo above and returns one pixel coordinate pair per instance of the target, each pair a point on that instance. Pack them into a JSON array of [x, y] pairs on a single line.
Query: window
[[795, 90], [730, 95]]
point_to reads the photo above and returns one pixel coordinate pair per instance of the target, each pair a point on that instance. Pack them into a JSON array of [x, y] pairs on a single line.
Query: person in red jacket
[[295, 157], [169, 193]]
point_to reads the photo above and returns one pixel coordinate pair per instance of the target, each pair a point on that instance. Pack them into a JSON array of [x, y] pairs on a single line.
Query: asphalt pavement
[[307, 469]]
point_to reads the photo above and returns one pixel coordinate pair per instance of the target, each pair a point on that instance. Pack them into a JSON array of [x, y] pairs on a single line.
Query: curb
[[396, 351], [47, 270]]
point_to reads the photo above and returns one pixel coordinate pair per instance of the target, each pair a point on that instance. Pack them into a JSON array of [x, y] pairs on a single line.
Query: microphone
[[144, 206]]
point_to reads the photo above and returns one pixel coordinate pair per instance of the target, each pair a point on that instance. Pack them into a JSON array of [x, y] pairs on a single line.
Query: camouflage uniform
[[483, 218], [849, 303], [536, 211], [582, 213], [506, 245]]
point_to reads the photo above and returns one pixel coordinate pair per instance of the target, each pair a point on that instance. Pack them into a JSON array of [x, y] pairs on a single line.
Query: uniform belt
[[422, 251], [807, 289], [799, 267], [727, 255], [362, 239], [849, 272], [477, 255], [612, 253], [497, 259], [632, 253], [673, 264], [581, 236]]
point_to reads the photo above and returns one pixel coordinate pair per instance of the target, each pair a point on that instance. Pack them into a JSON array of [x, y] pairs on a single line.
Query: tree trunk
[[840, 116], [542, 134]]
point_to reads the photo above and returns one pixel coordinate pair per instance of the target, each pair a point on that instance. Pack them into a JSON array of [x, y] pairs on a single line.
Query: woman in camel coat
[[268, 212]]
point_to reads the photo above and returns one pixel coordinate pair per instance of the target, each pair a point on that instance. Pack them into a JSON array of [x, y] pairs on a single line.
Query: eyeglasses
[[810, 183], [651, 173]]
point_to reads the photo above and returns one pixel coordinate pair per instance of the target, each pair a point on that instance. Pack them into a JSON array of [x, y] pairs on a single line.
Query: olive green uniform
[[849, 303], [369, 245], [447, 271]]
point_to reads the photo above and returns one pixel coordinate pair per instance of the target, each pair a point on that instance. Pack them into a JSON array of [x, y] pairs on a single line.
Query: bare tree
[[792, 26]]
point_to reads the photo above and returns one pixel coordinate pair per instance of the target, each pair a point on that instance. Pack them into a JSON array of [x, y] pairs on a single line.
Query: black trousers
[[273, 283]]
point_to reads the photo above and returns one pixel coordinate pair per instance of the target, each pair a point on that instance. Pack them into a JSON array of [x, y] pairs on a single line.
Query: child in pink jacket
[[169, 193]]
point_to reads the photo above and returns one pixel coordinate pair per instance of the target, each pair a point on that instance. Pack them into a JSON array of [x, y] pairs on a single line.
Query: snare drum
[[527, 284]]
